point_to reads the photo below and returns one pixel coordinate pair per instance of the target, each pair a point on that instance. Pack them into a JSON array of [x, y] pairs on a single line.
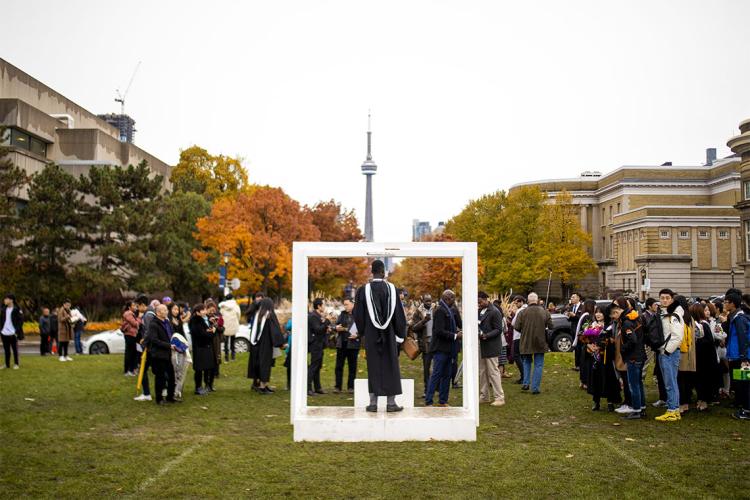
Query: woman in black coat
[[204, 361], [706, 359], [265, 333]]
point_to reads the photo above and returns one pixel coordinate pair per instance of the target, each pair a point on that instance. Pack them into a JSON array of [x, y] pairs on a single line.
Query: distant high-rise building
[[440, 229], [124, 123], [420, 229], [369, 168]]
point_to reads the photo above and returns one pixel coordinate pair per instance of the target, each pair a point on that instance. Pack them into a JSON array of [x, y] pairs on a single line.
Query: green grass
[[84, 436]]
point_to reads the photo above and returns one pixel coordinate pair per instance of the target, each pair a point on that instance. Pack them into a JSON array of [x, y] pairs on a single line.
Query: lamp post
[[223, 273], [732, 273]]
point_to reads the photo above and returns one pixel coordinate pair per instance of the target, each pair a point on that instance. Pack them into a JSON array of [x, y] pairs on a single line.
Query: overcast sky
[[467, 97]]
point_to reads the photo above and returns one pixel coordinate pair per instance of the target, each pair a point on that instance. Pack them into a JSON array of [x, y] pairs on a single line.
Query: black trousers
[[229, 345], [131, 354], [62, 348], [43, 344], [741, 387], [426, 368], [164, 375], [313, 371], [517, 357], [348, 356], [686, 384], [10, 342], [201, 377]]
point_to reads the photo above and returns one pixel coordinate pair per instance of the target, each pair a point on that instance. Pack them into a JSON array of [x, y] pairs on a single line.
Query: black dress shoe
[[372, 408], [320, 391], [610, 407], [536, 392], [596, 407], [393, 408], [268, 389], [636, 415], [524, 387]]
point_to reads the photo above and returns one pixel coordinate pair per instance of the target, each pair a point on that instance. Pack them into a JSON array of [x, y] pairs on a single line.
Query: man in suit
[[446, 338], [159, 343], [317, 331], [491, 329]]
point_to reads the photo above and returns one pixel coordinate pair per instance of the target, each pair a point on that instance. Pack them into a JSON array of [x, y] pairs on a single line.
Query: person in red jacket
[[129, 329]]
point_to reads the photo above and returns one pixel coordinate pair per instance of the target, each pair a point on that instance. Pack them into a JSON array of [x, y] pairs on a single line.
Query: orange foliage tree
[[428, 275], [257, 228], [335, 224]]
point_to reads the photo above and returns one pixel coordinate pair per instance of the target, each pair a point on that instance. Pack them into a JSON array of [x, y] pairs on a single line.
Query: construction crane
[[121, 99]]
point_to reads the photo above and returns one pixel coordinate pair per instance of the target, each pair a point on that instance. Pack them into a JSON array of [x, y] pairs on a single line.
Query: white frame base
[[349, 424]]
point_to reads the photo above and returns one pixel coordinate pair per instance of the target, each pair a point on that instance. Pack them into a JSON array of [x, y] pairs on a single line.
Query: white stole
[[371, 307], [256, 333]]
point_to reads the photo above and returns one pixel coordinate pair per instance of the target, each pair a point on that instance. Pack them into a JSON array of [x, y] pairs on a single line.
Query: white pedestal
[[345, 424], [362, 394]]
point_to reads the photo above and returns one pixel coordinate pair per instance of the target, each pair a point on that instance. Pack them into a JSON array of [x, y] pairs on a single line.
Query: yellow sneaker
[[669, 416]]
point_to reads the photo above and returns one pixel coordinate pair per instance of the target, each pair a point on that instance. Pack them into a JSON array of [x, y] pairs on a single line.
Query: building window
[[664, 234], [683, 235], [618, 208], [22, 140], [723, 235], [704, 235], [746, 184]]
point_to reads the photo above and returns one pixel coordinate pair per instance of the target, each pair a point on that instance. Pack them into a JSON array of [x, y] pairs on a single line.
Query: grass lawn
[[73, 430]]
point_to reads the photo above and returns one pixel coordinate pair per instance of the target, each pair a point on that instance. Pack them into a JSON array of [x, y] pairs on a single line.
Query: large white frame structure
[[328, 423]]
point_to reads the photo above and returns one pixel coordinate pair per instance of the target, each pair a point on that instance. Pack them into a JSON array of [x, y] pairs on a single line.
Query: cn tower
[[369, 169]]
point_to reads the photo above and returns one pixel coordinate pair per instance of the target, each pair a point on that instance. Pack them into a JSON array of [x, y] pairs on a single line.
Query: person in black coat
[[347, 347], [633, 353], [265, 334], [158, 341], [204, 361], [707, 369], [491, 327], [318, 327], [446, 337]]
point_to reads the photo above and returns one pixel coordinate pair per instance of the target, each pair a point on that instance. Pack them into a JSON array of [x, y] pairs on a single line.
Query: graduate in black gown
[[381, 322], [264, 333]]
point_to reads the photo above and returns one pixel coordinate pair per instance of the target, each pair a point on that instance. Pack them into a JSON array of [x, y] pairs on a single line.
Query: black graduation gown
[[603, 381], [383, 372], [261, 354], [708, 374]]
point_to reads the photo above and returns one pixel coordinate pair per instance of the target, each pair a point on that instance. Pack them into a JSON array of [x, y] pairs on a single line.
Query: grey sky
[[467, 97]]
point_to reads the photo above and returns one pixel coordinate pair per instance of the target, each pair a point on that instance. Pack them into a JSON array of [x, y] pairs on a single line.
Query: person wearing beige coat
[[230, 311], [64, 330]]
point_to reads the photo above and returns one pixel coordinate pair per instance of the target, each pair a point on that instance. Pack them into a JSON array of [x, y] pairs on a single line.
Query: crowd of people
[[700, 350]]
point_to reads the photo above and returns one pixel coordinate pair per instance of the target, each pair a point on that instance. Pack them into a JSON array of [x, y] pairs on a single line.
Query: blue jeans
[[78, 344], [635, 382], [440, 378], [669, 364], [536, 377]]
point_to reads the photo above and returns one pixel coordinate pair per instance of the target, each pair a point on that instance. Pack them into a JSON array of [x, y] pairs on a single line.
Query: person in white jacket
[[230, 311], [673, 326]]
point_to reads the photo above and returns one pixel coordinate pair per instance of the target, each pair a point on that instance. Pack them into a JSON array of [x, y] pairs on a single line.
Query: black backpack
[[654, 333]]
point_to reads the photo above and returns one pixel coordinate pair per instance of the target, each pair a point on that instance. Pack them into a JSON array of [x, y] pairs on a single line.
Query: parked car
[[109, 342], [113, 342], [560, 338]]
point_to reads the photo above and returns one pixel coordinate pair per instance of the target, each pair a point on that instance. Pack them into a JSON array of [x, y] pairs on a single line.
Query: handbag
[[411, 348]]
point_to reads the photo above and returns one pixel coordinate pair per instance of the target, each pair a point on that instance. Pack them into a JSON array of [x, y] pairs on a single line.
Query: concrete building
[[655, 227], [46, 126], [740, 146]]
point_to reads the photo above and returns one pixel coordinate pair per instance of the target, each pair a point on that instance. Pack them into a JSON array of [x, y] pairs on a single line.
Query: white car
[[113, 342]]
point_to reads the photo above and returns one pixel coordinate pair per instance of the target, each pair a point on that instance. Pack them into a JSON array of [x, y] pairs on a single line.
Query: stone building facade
[[655, 227], [740, 146]]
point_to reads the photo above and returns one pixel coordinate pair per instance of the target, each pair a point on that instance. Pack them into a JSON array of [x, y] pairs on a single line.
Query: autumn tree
[[564, 243], [335, 224], [257, 228], [428, 275], [209, 175]]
